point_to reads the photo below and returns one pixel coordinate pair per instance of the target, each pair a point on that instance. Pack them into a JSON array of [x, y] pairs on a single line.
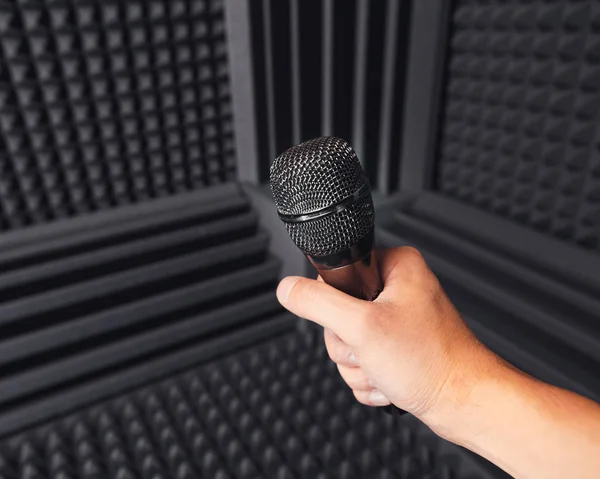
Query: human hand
[[411, 347], [408, 347]]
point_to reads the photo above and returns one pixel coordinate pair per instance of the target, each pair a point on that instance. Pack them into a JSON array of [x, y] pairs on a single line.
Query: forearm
[[528, 428]]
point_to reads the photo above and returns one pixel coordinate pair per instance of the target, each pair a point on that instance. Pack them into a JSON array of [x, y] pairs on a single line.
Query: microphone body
[[354, 272], [324, 198]]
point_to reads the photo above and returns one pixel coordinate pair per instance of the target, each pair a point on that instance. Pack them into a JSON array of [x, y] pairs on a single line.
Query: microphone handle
[[361, 280]]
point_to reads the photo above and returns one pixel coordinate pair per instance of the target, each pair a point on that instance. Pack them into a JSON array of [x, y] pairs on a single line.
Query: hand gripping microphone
[[324, 198]]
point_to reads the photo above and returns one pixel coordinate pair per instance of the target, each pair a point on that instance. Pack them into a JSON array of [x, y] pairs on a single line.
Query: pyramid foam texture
[[520, 133], [277, 410], [108, 102]]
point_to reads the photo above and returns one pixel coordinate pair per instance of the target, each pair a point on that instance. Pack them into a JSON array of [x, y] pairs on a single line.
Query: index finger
[[399, 264]]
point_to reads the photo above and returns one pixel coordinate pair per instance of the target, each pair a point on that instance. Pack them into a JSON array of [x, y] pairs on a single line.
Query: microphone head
[[323, 196]]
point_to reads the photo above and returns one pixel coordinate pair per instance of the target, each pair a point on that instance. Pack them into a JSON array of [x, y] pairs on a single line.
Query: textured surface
[[318, 174], [109, 102], [520, 133], [150, 289], [275, 411], [331, 68]]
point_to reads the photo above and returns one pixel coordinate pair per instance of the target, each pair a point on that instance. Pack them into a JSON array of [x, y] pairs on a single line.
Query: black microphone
[[324, 198]]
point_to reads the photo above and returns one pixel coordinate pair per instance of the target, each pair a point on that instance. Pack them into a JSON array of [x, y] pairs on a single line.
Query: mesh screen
[[318, 174], [107, 102], [520, 134]]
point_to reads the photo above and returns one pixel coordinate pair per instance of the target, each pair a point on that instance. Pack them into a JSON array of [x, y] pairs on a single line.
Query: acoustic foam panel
[[520, 129], [331, 67], [277, 410], [150, 289], [104, 103]]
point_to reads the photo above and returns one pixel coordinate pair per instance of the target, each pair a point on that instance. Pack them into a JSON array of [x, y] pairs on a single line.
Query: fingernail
[[376, 398], [285, 287], [352, 358]]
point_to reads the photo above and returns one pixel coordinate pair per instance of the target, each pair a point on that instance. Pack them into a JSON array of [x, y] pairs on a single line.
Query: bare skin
[[411, 348]]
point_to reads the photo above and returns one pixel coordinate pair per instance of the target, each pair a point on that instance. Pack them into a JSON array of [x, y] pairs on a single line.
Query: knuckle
[[361, 397], [413, 259], [361, 383], [306, 290], [353, 383], [412, 252], [338, 355], [337, 351], [332, 351], [412, 269]]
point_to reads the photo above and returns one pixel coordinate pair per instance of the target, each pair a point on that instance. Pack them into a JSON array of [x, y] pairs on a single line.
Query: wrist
[[452, 412]]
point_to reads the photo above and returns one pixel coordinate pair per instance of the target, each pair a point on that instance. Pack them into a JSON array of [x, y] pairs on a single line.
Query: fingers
[[350, 371], [387, 262], [325, 305], [372, 398], [355, 378], [339, 352], [396, 261], [402, 267]]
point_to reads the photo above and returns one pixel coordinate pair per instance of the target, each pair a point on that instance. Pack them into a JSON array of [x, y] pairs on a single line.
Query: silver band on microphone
[[342, 205]]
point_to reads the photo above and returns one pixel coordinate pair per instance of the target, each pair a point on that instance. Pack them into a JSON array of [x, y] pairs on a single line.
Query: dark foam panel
[[520, 129], [331, 68], [150, 289], [278, 410], [104, 103]]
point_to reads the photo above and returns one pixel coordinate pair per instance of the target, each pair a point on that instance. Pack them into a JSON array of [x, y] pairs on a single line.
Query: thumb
[[324, 305]]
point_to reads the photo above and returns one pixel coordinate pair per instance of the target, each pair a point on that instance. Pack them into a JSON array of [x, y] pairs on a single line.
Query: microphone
[[324, 198]]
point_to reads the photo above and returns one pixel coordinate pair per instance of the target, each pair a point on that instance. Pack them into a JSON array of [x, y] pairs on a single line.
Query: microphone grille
[[318, 174]]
